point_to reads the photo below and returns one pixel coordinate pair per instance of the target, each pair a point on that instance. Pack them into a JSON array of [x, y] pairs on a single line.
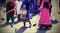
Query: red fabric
[[11, 13], [11, 4]]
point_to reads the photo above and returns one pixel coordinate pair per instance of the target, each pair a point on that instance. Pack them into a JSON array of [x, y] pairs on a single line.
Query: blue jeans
[[27, 16]]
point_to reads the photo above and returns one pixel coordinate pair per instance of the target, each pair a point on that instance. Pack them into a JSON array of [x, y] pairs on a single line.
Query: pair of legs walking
[[17, 16], [8, 18], [27, 16]]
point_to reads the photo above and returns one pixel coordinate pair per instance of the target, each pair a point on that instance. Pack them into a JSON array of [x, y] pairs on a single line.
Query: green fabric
[[9, 17]]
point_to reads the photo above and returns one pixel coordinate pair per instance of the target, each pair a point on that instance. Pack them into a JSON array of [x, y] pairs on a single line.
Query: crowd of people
[[13, 7]]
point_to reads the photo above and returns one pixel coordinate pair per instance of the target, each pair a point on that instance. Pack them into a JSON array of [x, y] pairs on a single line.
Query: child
[[27, 3], [44, 20], [18, 4], [10, 12]]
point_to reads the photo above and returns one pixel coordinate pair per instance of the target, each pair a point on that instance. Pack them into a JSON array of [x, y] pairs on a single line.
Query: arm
[[21, 6], [23, 3], [42, 5]]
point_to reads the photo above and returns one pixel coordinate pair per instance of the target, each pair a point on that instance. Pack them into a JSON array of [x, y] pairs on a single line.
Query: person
[[44, 20], [10, 12], [18, 4], [39, 4], [50, 7], [2, 7], [27, 4], [2, 13]]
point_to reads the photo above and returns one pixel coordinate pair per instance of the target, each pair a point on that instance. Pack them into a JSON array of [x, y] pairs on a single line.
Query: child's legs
[[18, 16], [7, 18], [28, 15], [12, 18]]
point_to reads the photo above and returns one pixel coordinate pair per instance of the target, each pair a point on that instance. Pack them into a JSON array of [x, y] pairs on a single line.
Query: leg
[[24, 24], [7, 19], [12, 18], [29, 24], [27, 16], [18, 17]]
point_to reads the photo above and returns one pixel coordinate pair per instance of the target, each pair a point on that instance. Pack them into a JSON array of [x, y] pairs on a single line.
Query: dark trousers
[[18, 16], [27, 16], [9, 17]]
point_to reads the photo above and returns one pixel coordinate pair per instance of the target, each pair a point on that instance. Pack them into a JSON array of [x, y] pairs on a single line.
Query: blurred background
[[34, 13]]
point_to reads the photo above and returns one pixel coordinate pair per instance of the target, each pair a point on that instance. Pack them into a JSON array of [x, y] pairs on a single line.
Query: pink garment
[[44, 14]]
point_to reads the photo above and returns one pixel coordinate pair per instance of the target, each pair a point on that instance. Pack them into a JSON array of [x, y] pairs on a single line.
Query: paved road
[[17, 28]]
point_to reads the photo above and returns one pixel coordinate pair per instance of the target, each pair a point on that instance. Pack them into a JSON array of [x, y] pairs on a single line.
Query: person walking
[[45, 20], [18, 4], [10, 12]]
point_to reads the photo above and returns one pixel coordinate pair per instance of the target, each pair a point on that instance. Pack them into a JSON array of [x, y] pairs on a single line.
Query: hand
[[39, 8]]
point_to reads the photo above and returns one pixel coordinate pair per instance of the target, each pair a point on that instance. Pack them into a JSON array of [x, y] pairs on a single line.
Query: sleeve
[[49, 3], [42, 5], [23, 3], [21, 6]]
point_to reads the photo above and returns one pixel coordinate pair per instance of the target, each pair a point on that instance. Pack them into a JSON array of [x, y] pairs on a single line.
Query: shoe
[[34, 24], [11, 25], [2, 19]]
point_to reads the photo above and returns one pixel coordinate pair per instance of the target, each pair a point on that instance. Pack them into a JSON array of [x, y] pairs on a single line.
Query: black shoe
[[2, 19], [11, 25], [34, 24]]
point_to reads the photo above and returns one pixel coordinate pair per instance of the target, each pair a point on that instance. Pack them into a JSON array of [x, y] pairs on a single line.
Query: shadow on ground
[[42, 30], [21, 30], [5, 24]]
